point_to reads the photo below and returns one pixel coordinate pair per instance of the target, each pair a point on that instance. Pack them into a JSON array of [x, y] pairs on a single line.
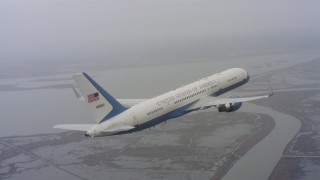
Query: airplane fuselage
[[171, 104]]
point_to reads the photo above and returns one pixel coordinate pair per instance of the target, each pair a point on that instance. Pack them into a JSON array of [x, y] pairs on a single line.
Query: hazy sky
[[43, 28]]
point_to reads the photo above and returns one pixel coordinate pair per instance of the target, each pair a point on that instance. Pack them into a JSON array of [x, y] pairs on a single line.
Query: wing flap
[[74, 127]]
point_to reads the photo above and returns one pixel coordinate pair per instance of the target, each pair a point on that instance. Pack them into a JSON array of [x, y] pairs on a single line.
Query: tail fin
[[102, 104]]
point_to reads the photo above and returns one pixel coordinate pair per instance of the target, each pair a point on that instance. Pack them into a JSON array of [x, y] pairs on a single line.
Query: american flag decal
[[93, 97]]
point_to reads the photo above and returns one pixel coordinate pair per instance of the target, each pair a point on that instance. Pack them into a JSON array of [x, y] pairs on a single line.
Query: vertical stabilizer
[[102, 104]]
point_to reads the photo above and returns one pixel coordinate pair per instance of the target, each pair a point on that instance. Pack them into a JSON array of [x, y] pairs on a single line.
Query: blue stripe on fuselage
[[178, 112], [170, 115]]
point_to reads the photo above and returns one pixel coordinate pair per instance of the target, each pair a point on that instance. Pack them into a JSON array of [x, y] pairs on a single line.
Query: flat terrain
[[298, 95], [193, 147], [198, 146]]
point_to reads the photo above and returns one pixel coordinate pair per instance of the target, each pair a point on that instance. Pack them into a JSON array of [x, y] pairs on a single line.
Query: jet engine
[[230, 107]]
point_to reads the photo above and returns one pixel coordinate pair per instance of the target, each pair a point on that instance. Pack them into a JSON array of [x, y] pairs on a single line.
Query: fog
[[82, 30], [141, 49]]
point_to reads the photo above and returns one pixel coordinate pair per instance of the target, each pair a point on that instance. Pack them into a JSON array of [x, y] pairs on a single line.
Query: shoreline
[[244, 147]]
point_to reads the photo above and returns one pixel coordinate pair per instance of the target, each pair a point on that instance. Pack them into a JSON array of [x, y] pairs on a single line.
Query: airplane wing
[[210, 101], [74, 127], [130, 102], [219, 101], [216, 101], [86, 127]]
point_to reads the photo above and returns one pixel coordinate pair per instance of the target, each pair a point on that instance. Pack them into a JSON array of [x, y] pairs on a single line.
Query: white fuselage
[[171, 104]]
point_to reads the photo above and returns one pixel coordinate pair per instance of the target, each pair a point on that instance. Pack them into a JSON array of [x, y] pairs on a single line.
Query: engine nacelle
[[230, 107], [225, 108]]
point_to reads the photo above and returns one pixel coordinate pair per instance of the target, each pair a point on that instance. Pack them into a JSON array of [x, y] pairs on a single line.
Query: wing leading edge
[[86, 127], [210, 101], [216, 102], [74, 127]]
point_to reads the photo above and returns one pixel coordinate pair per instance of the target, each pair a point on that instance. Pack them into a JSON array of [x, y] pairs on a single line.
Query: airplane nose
[[246, 75]]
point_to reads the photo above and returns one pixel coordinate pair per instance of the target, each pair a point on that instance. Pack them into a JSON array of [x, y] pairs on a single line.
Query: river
[[259, 161]]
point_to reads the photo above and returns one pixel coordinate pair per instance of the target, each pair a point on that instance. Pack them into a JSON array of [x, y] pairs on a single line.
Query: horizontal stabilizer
[[74, 127], [118, 129]]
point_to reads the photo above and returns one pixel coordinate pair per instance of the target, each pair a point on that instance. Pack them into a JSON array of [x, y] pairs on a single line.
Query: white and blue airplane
[[121, 116]]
